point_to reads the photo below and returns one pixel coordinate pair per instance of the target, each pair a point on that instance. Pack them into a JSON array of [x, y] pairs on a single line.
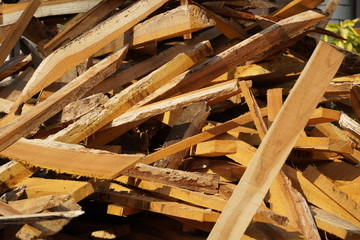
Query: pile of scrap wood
[[167, 119]]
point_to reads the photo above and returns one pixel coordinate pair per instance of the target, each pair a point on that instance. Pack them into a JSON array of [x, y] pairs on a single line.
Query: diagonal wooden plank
[[278, 143], [15, 129], [67, 57], [69, 158]]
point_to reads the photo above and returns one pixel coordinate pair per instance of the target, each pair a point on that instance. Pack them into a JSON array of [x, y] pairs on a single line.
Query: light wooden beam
[[278, 143]]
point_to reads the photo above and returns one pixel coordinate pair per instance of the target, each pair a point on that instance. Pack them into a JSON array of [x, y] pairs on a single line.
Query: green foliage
[[347, 31]]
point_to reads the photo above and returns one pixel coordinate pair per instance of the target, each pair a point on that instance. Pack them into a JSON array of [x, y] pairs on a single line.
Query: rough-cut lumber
[[159, 205], [224, 25], [38, 217], [284, 199], [188, 124], [69, 158], [325, 144], [14, 65], [144, 67], [295, 7], [329, 10], [207, 183], [278, 143], [332, 131], [192, 197], [254, 109], [27, 122], [317, 197], [334, 225], [13, 89], [214, 148], [37, 187], [176, 22], [10, 13], [227, 60], [122, 123], [12, 173], [121, 102], [84, 23], [287, 201], [328, 187], [349, 124], [59, 62], [17, 29], [121, 210], [322, 115], [38, 204]]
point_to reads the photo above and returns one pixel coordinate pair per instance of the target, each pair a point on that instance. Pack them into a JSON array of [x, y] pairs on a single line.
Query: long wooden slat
[[84, 23], [17, 29], [67, 57], [11, 12], [183, 19], [295, 7], [72, 159], [278, 143], [30, 120]]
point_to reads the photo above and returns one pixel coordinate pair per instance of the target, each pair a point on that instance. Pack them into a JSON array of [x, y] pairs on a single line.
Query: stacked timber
[[169, 119]]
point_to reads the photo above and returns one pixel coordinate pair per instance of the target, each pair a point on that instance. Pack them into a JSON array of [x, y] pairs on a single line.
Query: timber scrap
[[169, 119]]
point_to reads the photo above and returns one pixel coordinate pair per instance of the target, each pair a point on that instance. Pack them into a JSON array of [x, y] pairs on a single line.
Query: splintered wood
[[170, 119]]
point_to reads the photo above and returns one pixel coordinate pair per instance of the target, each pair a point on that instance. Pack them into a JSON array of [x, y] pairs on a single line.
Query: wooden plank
[[192, 197], [121, 102], [227, 60], [284, 198], [37, 217], [331, 131], [13, 90], [256, 181], [188, 124], [231, 31], [214, 148], [334, 225], [83, 47], [325, 144], [12, 173], [330, 8], [17, 29], [159, 205], [295, 7], [175, 22], [60, 157], [84, 23], [37, 187], [14, 130], [201, 182], [130, 118], [322, 115], [328, 187], [11, 12], [121, 210], [254, 109]]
